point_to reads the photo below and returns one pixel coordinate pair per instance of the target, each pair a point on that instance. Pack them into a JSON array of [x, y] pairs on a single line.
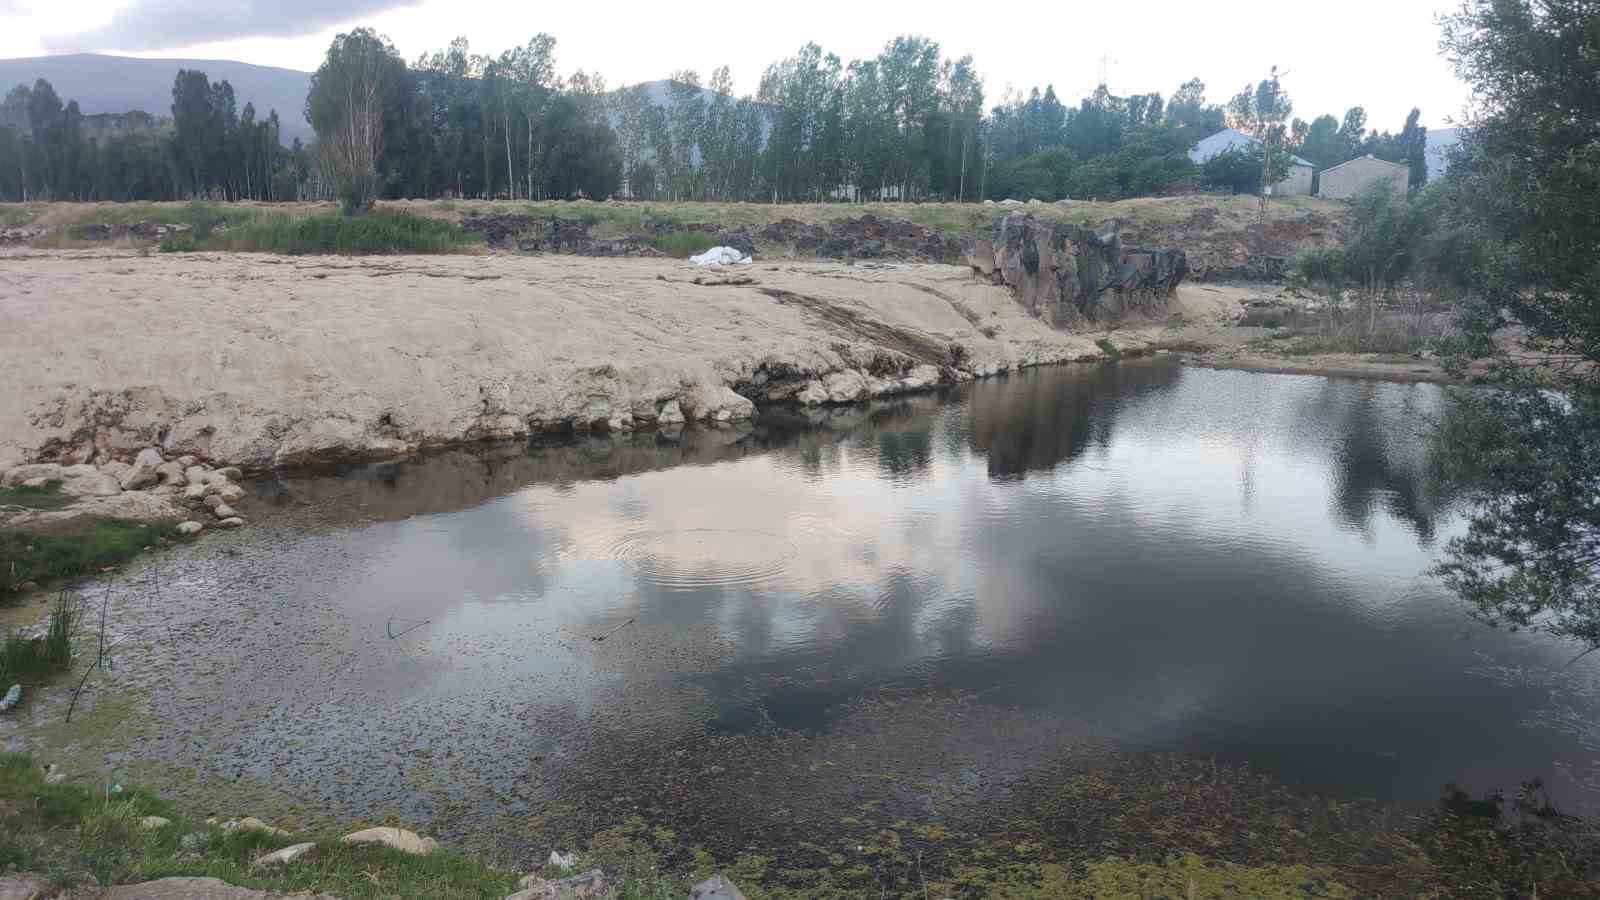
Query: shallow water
[[1216, 563]]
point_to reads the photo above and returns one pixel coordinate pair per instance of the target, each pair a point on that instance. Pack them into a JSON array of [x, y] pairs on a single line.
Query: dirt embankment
[[260, 361]]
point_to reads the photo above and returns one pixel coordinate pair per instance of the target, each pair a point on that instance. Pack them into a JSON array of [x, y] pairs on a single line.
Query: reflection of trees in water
[[1033, 421], [1378, 434]]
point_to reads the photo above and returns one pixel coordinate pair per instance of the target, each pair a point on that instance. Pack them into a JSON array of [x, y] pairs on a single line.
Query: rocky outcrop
[[867, 237], [151, 489], [1069, 275]]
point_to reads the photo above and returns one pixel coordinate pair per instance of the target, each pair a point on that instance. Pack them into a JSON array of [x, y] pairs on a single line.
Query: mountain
[[118, 84]]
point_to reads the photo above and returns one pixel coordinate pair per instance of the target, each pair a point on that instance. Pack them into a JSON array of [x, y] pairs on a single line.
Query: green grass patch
[[684, 244], [33, 659], [73, 549], [46, 496], [331, 233], [1108, 348], [74, 827]]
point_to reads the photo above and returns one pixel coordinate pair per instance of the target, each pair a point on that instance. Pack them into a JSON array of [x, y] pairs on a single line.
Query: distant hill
[[118, 84]]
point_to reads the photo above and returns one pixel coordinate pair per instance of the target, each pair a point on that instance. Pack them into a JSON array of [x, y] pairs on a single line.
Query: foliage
[[684, 244], [378, 233], [1527, 171], [1108, 348], [350, 95], [77, 548], [1528, 849], [1239, 171], [46, 496], [35, 658]]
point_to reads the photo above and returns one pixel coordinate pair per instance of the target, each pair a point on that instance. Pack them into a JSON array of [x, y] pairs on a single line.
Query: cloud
[[162, 24]]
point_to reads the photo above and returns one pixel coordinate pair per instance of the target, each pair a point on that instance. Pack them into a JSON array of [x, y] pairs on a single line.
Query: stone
[[717, 887], [196, 474], [251, 823], [27, 587], [1068, 274], [171, 473], [53, 774], [142, 473], [213, 501], [719, 403], [231, 522], [194, 889], [115, 468], [398, 838], [671, 414], [186, 461], [76, 481], [223, 511], [12, 697], [591, 885], [36, 483], [230, 492], [286, 855], [813, 394], [194, 492], [231, 473], [152, 823], [190, 528], [563, 861], [24, 887]]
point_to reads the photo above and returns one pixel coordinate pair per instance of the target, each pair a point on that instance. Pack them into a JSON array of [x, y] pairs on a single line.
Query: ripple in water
[[695, 558]]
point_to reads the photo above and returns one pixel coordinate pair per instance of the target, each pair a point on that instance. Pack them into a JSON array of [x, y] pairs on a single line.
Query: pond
[[955, 587]]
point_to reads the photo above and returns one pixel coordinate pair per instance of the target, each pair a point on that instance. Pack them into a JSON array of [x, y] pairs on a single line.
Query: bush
[[684, 244], [378, 233]]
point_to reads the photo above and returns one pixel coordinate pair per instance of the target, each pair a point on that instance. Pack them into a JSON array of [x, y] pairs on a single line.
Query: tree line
[[910, 123]]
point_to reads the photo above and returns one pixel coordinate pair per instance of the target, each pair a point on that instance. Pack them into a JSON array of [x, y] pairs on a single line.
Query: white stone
[[142, 473], [231, 473], [194, 492], [171, 473], [213, 501], [591, 885], [190, 528], [230, 492], [196, 474], [286, 855], [398, 838], [186, 461], [231, 522], [717, 887], [251, 823], [671, 414], [813, 394], [563, 861], [151, 823]]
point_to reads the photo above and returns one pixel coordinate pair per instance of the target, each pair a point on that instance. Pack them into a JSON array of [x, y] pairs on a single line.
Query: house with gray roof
[[1296, 184]]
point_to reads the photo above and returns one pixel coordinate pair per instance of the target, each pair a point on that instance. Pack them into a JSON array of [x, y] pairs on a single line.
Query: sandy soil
[[264, 360]]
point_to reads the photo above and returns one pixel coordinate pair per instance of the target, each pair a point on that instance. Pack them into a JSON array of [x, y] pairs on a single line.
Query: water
[[1215, 563]]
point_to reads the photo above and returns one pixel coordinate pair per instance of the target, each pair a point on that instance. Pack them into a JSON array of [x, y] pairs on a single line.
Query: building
[[1351, 178], [1296, 184]]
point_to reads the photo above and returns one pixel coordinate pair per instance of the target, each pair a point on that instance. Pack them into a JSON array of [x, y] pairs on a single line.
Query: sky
[[1380, 54]]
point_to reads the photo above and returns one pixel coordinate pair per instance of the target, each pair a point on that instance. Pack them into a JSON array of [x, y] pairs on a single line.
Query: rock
[[671, 414], [231, 522], [1067, 274], [36, 483], [171, 473], [398, 838], [847, 386], [76, 481], [24, 887], [27, 587], [591, 885], [251, 823], [53, 774], [11, 699], [813, 394], [116, 469], [223, 511], [715, 404], [197, 474], [213, 501], [717, 887], [186, 461], [190, 528], [152, 823], [230, 492], [194, 492], [142, 473], [194, 889], [231, 473], [286, 855], [563, 861]]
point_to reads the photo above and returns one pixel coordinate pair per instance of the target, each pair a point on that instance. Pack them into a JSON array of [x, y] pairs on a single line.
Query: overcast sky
[[1381, 54]]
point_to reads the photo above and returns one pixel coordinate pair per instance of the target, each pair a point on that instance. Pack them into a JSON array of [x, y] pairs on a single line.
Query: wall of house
[[1297, 184], [1350, 179]]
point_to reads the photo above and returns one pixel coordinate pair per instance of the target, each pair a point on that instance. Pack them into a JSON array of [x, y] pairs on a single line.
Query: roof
[[1230, 139], [1367, 158]]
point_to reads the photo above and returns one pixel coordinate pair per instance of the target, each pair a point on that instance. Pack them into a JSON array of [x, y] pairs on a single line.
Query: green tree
[[347, 107]]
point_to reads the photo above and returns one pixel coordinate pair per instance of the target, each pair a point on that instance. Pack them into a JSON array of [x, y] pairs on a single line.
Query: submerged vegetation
[[24, 657]]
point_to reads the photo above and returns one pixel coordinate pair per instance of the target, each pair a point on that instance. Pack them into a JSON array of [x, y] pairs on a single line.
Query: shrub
[[376, 233], [1108, 348], [684, 244]]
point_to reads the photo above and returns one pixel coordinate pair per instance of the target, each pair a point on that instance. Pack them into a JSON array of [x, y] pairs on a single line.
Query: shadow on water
[[952, 590]]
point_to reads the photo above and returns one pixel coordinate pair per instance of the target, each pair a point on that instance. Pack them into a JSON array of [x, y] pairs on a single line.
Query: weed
[[74, 549], [684, 244], [1108, 348], [375, 233], [46, 496], [27, 658]]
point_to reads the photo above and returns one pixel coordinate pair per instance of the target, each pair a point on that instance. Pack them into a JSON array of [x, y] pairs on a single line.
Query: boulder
[[231, 522], [213, 501], [1067, 274], [719, 403], [171, 473], [194, 492], [671, 414], [196, 474], [231, 473], [230, 492], [591, 885], [142, 473], [186, 461], [398, 838], [76, 481], [286, 855], [190, 528], [223, 511]]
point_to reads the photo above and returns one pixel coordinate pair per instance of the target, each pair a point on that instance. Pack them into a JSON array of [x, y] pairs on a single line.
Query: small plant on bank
[[374, 233], [46, 496], [33, 659], [1108, 348], [71, 550], [684, 244]]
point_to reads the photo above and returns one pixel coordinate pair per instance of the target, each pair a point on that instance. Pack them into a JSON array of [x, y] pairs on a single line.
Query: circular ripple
[[695, 558]]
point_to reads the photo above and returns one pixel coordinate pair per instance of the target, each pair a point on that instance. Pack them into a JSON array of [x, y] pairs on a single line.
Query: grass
[[684, 244], [1108, 348], [46, 496], [77, 548], [375, 233], [33, 659]]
